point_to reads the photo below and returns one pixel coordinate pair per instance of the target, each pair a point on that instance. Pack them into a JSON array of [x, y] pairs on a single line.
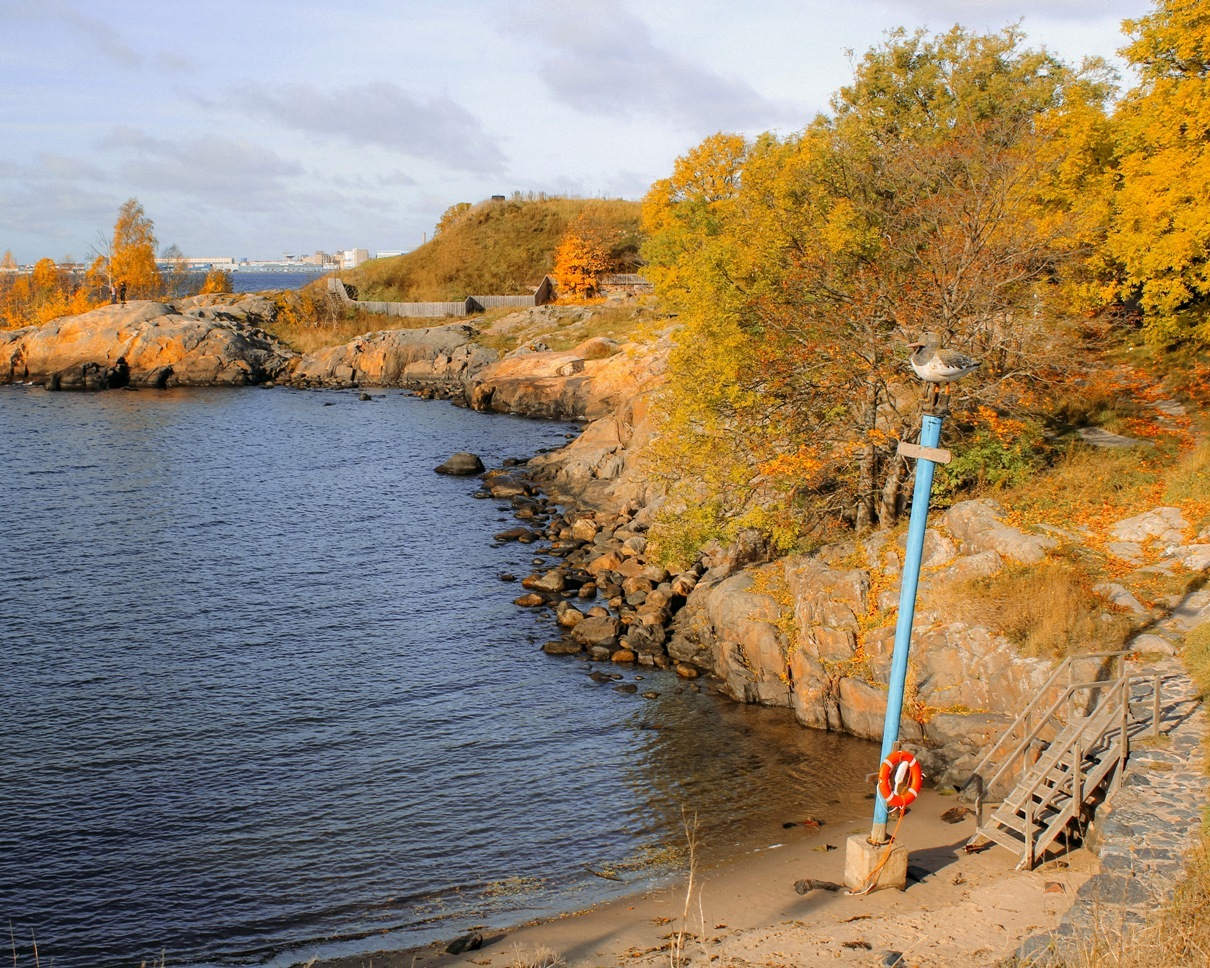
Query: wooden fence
[[466, 307]]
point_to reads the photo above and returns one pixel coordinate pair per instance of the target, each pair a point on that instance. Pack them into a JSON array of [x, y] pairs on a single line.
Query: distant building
[[388, 253], [196, 262], [352, 258]]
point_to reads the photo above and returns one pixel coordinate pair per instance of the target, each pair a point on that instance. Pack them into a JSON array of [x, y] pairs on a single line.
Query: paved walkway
[[1144, 832]]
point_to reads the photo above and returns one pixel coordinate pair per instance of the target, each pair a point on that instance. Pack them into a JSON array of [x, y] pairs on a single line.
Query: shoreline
[[958, 908]]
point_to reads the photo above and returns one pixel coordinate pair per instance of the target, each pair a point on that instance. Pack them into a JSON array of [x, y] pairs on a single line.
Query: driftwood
[[811, 884]]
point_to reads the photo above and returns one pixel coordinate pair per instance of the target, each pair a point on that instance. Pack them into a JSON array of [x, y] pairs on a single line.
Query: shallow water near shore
[[265, 696]]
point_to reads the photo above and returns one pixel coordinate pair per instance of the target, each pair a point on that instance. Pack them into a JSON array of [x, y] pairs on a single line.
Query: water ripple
[[265, 697]]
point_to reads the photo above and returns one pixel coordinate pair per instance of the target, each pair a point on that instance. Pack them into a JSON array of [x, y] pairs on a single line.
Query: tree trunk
[[888, 507], [866, 516]]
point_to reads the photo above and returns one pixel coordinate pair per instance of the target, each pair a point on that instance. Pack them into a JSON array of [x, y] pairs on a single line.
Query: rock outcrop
[[193, 342], [578, 383], [444, 358]]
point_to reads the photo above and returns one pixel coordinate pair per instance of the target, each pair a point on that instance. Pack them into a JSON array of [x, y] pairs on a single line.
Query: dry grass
[[309, 337], [497, 248], [1197, 657], [677, 956], [539, 957], [1048, 609], [568, 326], [1178, 936]]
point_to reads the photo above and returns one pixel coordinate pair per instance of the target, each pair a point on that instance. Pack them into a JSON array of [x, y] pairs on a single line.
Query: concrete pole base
[[861, 858]]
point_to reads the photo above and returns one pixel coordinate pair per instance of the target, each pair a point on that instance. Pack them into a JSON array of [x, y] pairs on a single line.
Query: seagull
[[935, 365]]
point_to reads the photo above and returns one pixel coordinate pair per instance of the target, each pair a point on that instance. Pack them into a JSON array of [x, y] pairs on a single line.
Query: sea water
[[265, 695]]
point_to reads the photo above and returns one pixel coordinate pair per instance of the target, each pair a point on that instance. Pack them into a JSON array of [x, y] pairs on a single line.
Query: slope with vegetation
[[504, 247]]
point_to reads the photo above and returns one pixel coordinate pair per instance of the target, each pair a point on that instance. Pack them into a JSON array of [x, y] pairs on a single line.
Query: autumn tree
[[47, 292], [1161, 224], [217, 280], [128, 258], [934, 197], [581, 257], [450, 216]]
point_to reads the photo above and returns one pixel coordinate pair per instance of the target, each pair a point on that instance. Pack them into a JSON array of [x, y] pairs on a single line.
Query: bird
[[936, 365]]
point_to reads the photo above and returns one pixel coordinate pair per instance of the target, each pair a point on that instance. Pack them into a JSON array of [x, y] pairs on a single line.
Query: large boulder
[[189, 343], [977, 527], [461, 464], [562, 385], [437, 356], [1167, 526]]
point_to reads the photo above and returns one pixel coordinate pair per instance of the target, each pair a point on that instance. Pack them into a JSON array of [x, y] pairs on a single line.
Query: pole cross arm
[[938, 455]]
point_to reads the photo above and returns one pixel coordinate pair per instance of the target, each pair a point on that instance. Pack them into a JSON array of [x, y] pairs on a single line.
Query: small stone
[[468, 942], [687, 670], [532, 600], [461, 465]]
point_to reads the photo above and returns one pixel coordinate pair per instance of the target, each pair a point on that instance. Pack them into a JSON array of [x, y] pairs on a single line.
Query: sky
[[259, 128]]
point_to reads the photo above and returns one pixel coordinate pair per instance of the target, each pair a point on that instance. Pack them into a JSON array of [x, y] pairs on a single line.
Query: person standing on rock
[[122, 292]]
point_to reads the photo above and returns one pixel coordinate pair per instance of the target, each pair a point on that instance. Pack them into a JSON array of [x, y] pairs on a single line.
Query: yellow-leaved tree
[[127, 266], [1161, 224], [217, 280], [46, 293], [939, 195]]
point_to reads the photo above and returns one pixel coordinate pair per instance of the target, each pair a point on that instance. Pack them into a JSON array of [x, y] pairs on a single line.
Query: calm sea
[[265, 697], [258, 281]]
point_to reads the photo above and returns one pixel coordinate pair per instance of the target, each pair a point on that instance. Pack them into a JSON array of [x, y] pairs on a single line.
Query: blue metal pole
[[930, 435]]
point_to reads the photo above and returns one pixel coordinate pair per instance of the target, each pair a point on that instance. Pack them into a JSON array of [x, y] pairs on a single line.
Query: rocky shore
[[811, 633]]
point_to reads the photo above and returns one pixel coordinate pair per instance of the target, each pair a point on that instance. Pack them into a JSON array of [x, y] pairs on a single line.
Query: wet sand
[[958, 909]]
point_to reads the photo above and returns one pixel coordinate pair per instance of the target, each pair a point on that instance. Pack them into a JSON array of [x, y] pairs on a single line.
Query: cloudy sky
[[253, 129]]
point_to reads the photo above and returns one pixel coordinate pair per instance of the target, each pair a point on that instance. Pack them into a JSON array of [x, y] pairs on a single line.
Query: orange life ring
[[900, 779]]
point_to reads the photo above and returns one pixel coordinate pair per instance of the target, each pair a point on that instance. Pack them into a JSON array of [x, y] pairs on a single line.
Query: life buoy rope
[[900, 779]]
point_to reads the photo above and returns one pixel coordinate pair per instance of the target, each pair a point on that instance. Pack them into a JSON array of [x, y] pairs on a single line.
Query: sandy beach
[[958, 909]]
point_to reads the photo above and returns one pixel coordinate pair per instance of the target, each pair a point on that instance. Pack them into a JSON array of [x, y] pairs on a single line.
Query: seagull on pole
[[937, 366]]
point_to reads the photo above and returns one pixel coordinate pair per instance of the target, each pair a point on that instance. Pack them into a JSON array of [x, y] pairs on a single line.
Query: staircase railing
[[1033, 722]]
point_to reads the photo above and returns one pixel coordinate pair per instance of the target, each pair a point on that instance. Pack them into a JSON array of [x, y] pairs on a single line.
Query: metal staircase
[[1062, 755]]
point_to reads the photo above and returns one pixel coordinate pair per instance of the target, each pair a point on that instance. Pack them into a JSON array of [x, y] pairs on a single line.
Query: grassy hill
[[496, 248]]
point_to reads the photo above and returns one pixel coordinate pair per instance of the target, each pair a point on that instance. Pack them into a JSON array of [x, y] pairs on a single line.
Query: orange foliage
[[580, 260], [46, 293]]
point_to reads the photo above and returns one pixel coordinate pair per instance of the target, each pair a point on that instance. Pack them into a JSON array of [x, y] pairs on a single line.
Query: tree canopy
[[946, 191], [132, 260], [1161, 225]]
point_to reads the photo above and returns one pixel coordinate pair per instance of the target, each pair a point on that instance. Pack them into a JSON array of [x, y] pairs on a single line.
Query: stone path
[[1144, 832]]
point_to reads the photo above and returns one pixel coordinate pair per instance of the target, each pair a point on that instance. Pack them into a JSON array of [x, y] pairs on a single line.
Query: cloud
[[211, 168], [94, 33], [382, 114], [943, 13], [603, 60]]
